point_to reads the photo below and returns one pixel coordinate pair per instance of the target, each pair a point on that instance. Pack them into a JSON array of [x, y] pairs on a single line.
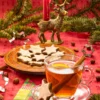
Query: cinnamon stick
[[58, 86], [79, 62], [65, 80]]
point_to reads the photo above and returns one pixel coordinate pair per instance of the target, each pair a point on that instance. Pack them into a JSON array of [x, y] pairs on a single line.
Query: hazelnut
[[5, 74], [98, 70], [16, 81], [89, 48], [1, 97], [76, 50], [98, 78], [72, 44], [92, 61]]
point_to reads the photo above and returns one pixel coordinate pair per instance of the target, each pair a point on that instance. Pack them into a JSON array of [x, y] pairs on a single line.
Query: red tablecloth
[[80, 40]]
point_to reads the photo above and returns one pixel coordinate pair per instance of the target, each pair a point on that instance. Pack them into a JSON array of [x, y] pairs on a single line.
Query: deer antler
[[65, 2]]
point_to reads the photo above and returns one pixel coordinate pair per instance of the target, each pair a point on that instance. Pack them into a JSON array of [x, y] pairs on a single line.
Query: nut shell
[[16, 81], [1, 97]]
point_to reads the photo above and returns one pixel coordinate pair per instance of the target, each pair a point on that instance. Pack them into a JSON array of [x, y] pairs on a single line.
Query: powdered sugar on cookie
[[40, 57], [50, 50], [36, 49], [23, 52], [36, 63], [36, 54], [24, 59], [58, 53], [45, 90]]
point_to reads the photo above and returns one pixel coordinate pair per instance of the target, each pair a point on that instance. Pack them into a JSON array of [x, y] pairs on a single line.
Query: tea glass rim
[[73, 55]]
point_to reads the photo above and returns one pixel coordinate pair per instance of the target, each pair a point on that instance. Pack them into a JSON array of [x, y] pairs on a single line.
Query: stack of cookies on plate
[[35, 54]]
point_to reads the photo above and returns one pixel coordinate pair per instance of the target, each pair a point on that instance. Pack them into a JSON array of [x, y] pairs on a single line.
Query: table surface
[[80, 39]]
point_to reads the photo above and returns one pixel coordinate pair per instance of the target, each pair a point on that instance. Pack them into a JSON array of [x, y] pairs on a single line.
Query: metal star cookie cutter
[[6, 79], [85, 52]]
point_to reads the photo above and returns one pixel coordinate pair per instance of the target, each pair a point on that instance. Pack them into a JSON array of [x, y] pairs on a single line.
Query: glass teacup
[[64, 76]]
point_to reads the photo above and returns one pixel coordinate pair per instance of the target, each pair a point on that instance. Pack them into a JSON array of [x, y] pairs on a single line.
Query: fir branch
[[31, 19], [28, 20], [12, 18], [8, 19], [20, 18], [94, 12], [78, 24], [98, 27], [1, 24], [98, 8], [35, 10], [17, 7], [18, 28], [58, 1], [70, 1], [10, 31], [22, 6], [95, 37], [4, 34], [71, 7], [26, 29], [27, 6], [87, 9], [17, 19], [94, 97]]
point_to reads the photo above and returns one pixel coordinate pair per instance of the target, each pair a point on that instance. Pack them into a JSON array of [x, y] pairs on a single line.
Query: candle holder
[[53, 25]]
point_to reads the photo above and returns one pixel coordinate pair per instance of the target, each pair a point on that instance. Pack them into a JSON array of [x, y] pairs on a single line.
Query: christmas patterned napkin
[[24, 92]]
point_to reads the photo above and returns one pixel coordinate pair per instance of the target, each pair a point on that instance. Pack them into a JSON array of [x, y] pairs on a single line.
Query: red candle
[[46, 9]]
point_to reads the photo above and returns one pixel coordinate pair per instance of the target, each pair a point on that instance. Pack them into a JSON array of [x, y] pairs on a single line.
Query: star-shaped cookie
[[40, 57], [36, 63], [36, 49], [23, 52], [45, 91], [24, 59], [58, 53], [50, 50]]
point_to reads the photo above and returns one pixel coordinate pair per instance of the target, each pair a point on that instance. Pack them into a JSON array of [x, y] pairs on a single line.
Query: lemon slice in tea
[[60, 65]]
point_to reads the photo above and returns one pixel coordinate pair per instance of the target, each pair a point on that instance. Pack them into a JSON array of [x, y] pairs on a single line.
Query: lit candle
[[46, 9]]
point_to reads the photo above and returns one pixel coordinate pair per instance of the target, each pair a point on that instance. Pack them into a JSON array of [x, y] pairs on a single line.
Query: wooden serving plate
[[11, 59]]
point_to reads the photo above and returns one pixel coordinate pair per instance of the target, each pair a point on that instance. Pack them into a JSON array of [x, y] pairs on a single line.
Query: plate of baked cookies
[[30, 58]]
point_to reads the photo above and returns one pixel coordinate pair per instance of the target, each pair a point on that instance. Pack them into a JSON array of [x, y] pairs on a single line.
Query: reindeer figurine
[[53, 25]]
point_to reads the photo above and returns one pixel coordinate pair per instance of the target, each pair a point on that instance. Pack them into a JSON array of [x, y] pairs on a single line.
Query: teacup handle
[[90, 78]]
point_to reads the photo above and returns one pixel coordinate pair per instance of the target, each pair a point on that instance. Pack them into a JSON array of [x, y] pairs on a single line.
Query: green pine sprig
[[95, 37], [4, 34], [91, 8], [83, 24], [17, 19], [78, 24], [95, 97]]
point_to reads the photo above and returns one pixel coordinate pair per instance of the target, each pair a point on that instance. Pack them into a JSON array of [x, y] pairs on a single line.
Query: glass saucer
[[82, 93]]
